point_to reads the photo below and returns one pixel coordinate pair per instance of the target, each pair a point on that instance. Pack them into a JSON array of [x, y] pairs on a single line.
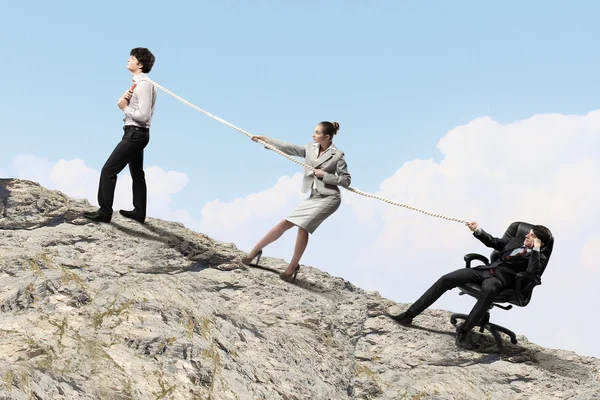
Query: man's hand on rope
[[319, 173], [124, 100], [474, 227]]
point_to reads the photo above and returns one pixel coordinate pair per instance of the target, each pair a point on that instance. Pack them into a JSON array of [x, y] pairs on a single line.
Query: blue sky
[[397, 76]]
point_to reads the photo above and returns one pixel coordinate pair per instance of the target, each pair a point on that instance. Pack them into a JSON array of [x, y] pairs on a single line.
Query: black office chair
[[520, 295]]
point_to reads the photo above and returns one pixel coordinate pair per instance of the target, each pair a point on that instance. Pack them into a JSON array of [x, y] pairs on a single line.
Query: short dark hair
[[330, 128], [144, 57], [542, 233]]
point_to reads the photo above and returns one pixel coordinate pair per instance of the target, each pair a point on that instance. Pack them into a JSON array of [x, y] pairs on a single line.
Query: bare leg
[[271, 236], [301, 242]]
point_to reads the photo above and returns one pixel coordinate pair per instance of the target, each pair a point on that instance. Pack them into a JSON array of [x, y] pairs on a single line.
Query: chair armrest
[[474, 256], [526, 281]]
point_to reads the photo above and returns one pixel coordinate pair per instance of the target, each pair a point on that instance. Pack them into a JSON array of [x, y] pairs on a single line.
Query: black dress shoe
[[97, 216], [403, 318], [461, 338], [132, 215]]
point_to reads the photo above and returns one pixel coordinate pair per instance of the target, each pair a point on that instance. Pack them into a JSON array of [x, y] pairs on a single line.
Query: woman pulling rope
[[330, 171]]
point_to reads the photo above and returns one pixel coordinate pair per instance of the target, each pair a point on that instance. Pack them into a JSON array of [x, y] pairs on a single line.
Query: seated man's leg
[[489, 288], [446, 282]]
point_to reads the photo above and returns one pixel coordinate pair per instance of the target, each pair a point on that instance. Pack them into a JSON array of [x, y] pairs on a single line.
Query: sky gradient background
[[487, 112]]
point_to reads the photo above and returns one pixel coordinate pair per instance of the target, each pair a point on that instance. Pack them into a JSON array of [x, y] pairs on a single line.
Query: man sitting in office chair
[[493, 278]]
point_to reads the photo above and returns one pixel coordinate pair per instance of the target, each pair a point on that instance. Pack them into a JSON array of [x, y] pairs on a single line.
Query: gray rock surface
[[156, 311]]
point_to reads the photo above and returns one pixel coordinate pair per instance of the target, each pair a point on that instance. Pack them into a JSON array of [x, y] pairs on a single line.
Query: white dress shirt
[[140, 109]]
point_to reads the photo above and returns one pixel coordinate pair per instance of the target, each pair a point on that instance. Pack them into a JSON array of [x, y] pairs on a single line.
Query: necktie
[[516, 252]]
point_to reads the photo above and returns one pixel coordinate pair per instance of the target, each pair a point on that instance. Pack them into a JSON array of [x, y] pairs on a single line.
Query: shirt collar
[[138, 77], [332, 147], [528, 250]]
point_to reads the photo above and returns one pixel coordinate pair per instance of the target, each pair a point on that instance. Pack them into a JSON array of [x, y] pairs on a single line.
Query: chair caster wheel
[[453, 321], [513, 341]]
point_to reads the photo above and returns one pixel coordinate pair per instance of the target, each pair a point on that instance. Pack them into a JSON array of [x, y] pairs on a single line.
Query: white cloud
[[76, 179], [244, 220], [543, 170], [165, 182], [161, 188], [33, 168]]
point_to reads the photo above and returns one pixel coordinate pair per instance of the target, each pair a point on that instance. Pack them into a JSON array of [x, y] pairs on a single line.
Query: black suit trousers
[[129, 151], [490, 286]]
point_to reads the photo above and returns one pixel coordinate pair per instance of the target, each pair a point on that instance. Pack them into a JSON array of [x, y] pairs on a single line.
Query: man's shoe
[[132, 215], [97, 216], [461, 338], [403, 318]]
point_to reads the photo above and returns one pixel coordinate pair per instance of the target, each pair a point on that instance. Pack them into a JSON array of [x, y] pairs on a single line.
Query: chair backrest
[[517, 231]]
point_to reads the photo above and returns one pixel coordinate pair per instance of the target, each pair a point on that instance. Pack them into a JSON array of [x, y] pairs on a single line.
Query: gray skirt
[[314, 210]]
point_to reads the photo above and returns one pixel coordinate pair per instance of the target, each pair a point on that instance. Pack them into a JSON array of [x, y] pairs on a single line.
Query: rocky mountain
[[157, 311]]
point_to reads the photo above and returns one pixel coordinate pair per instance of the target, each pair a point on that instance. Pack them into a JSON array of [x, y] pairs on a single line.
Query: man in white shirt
[[137, 104]]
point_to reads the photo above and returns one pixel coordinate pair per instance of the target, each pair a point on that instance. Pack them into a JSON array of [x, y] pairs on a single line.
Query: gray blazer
[[332, 162]]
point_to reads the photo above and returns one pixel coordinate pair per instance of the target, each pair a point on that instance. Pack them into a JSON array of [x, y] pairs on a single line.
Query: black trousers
[[490, 286], [129, 151]]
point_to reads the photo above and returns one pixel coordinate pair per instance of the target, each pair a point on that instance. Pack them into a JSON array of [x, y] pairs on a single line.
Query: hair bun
[[336, 126]]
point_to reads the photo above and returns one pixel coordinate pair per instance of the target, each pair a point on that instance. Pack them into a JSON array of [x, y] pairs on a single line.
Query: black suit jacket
[[506, 269]]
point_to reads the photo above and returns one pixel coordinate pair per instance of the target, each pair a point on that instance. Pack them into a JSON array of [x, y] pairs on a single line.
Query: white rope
[[351, 189]]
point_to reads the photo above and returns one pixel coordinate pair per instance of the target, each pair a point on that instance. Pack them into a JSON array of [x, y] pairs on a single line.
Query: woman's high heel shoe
[[292, 277], [248, 260]]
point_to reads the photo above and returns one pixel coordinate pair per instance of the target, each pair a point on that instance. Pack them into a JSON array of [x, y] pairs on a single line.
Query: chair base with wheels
[[492, 328]]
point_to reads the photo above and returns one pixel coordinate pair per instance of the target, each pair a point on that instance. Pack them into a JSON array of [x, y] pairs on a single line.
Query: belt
[[136, 128]]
